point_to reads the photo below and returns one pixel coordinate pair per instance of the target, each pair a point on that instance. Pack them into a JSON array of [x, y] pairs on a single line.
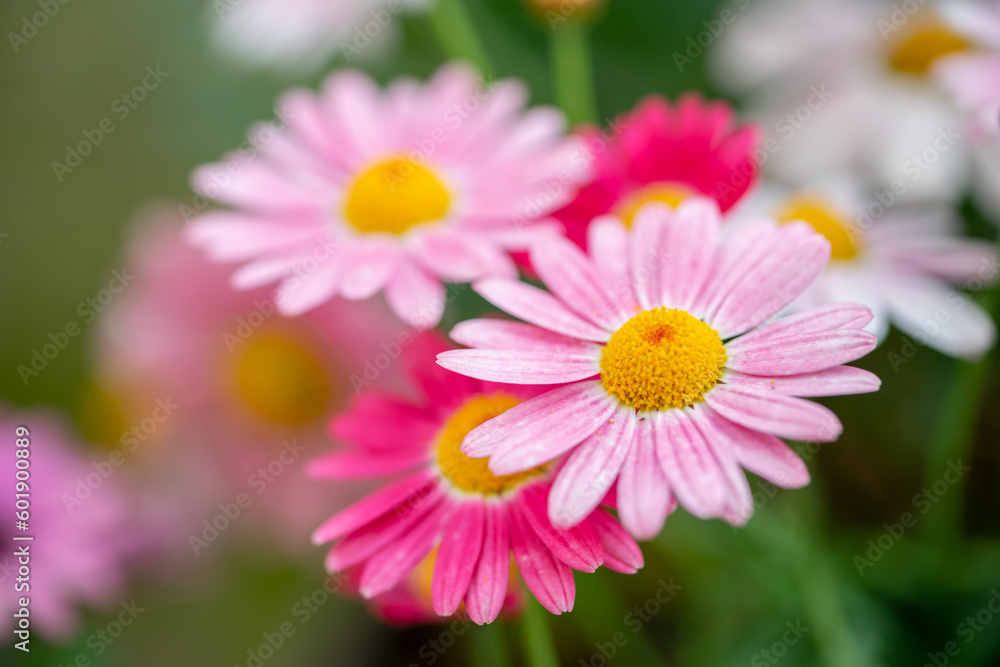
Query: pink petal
[[548, 578], [777, 269], [366, 270], [836, 381], [457, 558], [834, 316], [488, 587], [303, 292], [621, 553], [443, 389], [578, 547], [369, 508], [538, 307], [739, 499], [504, 335], [415, 297], [689, 464], [522, 367], [363, 424], [763, 454], [643, 496], [568, 273], [800, 353], [689, 245], [774, 413], [591, 469], [391, 565], [461, 258], [647, 253], [540, 429], [606, 242]]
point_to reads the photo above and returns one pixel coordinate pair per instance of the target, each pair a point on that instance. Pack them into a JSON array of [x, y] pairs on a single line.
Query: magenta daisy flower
[[673, 380], [663, 152], [396, 191], [450, 507]]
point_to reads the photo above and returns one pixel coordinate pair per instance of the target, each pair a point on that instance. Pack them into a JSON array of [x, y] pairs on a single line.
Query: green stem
[[486, 646], [571, 72], [536, 636], [955, 434], [457, 33]]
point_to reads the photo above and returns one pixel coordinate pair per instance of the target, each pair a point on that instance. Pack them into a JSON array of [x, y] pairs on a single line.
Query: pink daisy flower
[[973, 76], [664, 153], [673, 380], [394, 190], [451, 507], [81, 550]]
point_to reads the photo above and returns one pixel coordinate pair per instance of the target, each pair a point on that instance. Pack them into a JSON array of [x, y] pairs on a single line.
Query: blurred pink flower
[[394, 190], [673, 385], [81, 548], [973, 77], [449, 506], [305, 34], [252, 390], [665, 153]]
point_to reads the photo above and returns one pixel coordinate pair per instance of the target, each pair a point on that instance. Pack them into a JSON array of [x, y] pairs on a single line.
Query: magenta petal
[[774, 413], [566, 271], [800, 353], [361, 544], [539, 308], [488, 588], [388, 567], [369, 508], [542, 428], [456, 560], [836, 381], [362, 465], [548, 578], [522, 366], [578, 547], [643, 495], [621, 553], [591, 470]]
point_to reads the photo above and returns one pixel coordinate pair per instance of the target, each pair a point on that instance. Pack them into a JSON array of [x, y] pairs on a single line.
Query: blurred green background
[[740, 592]]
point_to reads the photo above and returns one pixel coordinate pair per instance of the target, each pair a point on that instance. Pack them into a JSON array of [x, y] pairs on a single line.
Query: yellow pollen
[[826, 220], [393, 196], [467, 473], [662, 358], [281, 379], [917, 48], [671, 194]]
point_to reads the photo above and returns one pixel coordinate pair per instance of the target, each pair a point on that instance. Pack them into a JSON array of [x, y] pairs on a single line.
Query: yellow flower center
[[671, 194], [662, 358], [826, 220], [464, 472], [917, 47], [393, 196], [282, 379]]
